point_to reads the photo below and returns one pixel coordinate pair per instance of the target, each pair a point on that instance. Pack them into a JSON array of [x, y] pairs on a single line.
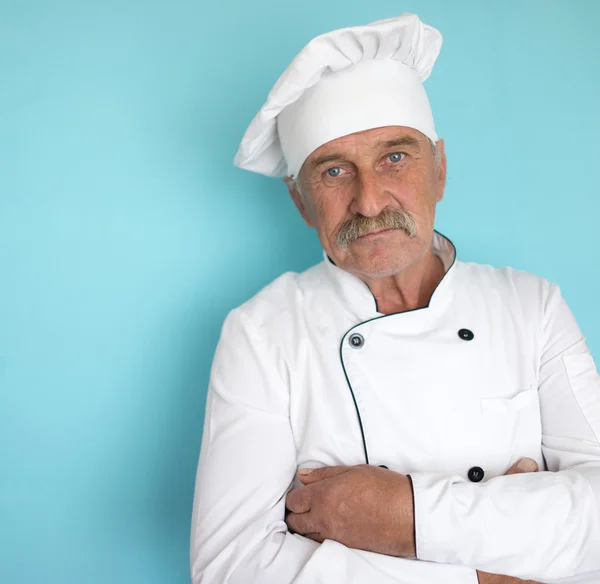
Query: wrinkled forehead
[[365, 143]]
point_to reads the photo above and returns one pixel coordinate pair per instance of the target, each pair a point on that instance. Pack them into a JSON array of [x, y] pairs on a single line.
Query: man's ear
[[441, 170], [299, 200]]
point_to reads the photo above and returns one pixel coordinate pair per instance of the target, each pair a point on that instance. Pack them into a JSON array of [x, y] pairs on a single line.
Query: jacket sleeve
[[543, 526], [247, 465]]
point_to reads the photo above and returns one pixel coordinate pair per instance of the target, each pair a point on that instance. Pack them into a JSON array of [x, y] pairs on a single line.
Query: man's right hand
[[524, 465]]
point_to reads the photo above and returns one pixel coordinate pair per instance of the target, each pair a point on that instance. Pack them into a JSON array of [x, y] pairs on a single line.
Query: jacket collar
[[358, 298]]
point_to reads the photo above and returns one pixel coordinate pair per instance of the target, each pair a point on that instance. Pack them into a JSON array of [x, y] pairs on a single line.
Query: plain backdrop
[[126, 235]]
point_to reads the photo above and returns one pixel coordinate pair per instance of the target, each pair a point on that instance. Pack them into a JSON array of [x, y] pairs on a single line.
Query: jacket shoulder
[[529, 289], [281, 299]]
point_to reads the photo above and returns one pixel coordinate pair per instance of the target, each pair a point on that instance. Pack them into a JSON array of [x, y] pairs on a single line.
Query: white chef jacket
[[308, 373]]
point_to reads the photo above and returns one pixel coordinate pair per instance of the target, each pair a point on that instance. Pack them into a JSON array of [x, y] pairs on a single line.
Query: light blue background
[[126, 234]]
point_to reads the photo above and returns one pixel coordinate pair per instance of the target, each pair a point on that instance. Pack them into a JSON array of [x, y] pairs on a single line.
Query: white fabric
[[432, 405], [344, 81]]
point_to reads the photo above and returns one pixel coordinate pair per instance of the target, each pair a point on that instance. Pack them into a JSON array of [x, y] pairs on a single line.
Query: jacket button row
[[357, 341]]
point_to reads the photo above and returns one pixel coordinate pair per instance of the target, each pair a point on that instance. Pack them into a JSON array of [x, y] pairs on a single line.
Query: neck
[[410, 289]]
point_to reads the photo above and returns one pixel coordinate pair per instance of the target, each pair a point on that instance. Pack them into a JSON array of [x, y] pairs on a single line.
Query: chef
[[421, 391]]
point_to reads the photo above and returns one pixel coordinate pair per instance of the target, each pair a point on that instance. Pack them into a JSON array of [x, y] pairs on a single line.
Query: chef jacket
[[308, 373]]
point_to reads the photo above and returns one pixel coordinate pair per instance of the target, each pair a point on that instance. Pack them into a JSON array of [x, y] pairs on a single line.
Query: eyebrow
[[402, 142], [320, 160]]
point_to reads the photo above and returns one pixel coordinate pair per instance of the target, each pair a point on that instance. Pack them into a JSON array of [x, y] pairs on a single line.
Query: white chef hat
[[342, 82]]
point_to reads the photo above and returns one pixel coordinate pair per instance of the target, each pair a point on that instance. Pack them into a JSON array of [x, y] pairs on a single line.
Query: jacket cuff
[[437, 526]]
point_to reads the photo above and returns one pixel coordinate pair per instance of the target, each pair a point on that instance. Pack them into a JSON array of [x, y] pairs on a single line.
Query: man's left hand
[[363, 507]]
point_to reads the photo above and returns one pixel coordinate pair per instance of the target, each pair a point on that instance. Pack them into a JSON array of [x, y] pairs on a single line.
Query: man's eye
[[395, 157], [335, 171]]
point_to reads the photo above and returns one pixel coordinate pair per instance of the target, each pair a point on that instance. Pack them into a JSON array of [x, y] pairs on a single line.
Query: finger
[[523, 465], [301, 523], [308, 476], [298, 500]]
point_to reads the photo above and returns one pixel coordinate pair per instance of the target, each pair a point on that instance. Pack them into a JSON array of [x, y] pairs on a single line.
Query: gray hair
[[437, 153]]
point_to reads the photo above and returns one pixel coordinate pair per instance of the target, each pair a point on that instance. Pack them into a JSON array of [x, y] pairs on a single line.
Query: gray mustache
[[387, 219]]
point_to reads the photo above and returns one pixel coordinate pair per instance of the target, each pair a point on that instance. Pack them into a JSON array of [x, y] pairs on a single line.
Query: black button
[[383, 466], [356, 341], [466, 334], [475, 474]]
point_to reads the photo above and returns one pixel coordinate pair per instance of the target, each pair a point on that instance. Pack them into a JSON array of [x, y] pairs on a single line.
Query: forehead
[[368, 139]]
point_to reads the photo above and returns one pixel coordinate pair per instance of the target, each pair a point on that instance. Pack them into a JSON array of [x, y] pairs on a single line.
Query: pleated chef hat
[[342, 82]]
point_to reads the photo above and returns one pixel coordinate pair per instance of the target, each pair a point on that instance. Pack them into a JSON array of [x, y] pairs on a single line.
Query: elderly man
[[419, 389]]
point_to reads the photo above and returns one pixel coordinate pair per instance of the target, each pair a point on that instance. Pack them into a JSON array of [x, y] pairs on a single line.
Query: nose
[[370, 198]]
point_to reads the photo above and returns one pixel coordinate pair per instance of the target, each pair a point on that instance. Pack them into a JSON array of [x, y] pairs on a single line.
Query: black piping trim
[[375, 300], [362, 431], [412, 488]]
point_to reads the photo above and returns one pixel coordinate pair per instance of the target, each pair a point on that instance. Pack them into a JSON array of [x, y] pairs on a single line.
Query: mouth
[[375, 233]]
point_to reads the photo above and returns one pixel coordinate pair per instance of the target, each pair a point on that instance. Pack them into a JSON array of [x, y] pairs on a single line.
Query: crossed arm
[[366, 507], [542, 526]]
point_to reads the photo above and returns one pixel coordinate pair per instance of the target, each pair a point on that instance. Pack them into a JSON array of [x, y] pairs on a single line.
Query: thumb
[[523, 465], [308, 475]]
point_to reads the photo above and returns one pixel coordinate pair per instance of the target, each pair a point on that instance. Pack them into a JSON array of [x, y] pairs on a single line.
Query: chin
[[376, 271], [382, 261], [380, 266]]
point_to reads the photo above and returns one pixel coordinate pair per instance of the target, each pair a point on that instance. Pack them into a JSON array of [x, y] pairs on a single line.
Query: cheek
[[418, 196], [331, 213]]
